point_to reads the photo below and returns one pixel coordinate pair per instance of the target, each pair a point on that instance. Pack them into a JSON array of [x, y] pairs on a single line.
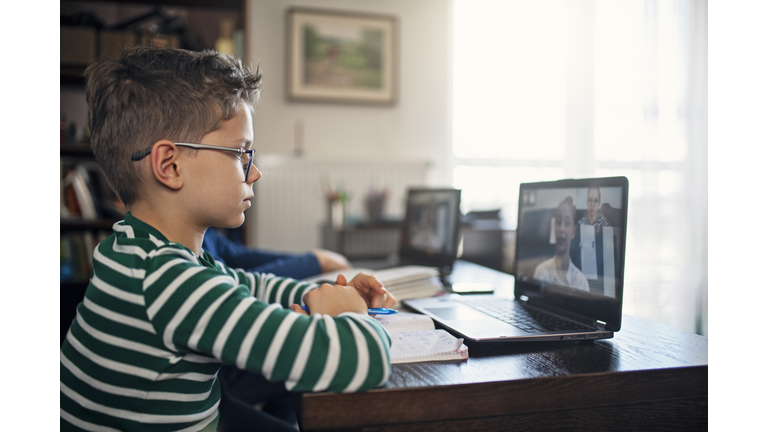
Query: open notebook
[[415, 339]]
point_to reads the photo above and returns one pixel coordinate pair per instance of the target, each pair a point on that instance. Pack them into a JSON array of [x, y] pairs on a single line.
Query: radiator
[[290, 206]]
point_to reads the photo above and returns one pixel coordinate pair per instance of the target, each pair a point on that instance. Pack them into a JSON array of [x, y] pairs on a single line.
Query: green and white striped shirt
[[157, 323]]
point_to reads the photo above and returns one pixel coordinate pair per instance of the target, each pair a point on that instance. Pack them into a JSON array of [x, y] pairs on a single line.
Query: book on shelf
[[76, 254], [415, 339], [406, 282], [85, 192], [81, 196]]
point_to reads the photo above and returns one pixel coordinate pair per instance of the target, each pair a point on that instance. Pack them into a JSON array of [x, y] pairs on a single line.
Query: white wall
[[417, 127]]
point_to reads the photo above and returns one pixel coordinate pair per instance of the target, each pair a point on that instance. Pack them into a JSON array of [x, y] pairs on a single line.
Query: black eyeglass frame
[[139, 155]]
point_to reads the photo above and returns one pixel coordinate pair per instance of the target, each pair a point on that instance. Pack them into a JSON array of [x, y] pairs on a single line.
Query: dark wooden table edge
[[410, 405]]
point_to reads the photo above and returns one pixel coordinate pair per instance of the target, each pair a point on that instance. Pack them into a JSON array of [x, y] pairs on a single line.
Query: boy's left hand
[[371, 290]]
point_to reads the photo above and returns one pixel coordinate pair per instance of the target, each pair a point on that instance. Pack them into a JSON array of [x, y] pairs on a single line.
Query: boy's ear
[[164, 159]]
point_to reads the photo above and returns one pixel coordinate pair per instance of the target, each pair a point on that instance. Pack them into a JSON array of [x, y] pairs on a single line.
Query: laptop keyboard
[[513, 313]]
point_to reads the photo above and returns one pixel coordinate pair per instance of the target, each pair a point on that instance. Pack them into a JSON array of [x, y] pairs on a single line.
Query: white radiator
[[290, 205]]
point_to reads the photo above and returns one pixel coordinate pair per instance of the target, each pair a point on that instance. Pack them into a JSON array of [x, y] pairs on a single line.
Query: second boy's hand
[[371, 289]]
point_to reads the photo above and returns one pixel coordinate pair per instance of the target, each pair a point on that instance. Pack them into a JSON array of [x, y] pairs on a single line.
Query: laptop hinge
[[581, 319]]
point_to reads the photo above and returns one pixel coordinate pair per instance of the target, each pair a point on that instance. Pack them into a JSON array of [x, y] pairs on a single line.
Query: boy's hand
[[371, 289], [333, 300], [330, 261], [296, 308]]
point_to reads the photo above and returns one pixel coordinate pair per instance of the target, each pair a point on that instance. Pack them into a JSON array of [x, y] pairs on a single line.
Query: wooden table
[[648, 377]]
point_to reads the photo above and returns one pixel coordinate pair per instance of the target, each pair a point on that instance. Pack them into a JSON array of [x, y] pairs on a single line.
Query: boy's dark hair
[[569, 202], [148, 94], [591, 188]]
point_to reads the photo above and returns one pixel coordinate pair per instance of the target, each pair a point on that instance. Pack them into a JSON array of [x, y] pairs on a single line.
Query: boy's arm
[[268, 287], [294, 266], [297, 266], [199, 309], [236, 255]]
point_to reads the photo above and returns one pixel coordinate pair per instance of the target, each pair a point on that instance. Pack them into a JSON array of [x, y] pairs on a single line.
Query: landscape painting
[[341, 57]]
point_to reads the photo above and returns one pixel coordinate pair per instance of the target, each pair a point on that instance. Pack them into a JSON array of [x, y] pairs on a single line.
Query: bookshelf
[[86, 27]]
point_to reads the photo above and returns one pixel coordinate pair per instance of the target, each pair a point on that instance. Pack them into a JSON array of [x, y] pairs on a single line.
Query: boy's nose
[[254, 175]]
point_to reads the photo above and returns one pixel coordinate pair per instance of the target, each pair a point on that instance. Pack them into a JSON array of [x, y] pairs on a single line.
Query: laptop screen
[[430, 231], [570, 245]]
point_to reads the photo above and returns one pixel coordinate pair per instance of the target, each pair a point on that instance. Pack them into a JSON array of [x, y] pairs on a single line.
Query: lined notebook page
[[426, 345], [414, 339]]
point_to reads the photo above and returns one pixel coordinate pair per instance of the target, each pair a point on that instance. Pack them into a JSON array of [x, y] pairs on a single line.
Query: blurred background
[[488, 94]]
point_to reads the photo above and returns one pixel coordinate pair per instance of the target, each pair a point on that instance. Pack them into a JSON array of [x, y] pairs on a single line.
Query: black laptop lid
[[430, 232], [570, 247]]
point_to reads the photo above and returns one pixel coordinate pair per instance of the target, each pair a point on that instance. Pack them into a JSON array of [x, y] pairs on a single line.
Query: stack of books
[[410, 282], [406, 282]]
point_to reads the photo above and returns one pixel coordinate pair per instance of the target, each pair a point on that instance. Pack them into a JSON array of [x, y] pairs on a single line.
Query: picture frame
[[341, 57]]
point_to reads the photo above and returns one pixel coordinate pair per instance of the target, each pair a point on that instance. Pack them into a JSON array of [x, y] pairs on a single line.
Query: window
[[554, 89]]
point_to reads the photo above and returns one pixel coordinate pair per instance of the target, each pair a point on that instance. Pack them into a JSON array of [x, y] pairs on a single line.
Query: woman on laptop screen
[[593, 216], [425, 233], [559, 269]]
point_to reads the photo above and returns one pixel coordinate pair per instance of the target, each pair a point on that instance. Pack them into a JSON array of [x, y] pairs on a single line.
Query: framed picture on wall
[[341, 57]]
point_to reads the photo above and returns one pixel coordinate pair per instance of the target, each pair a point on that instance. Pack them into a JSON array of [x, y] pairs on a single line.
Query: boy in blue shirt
[[297, 266]]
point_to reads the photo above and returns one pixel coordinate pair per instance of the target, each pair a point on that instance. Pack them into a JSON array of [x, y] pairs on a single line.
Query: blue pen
[[372, 311], [381, 311]]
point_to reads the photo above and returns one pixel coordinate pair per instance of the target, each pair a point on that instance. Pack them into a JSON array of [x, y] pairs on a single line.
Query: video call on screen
[[432, 218], [569, 238]]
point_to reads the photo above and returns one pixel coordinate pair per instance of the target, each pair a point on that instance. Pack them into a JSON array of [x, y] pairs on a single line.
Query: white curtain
[[580, 88]]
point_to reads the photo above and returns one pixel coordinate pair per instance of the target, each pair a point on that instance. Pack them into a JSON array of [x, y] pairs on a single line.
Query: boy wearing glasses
[[172, 130]]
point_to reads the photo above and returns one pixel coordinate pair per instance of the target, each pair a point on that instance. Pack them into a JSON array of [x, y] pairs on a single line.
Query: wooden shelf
[[219, 4], [70, 295], [81, 150], [72, 75], [86, 224], [77, 285]]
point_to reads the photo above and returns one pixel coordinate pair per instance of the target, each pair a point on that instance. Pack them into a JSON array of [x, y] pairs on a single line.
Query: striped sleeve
[[241, 319]]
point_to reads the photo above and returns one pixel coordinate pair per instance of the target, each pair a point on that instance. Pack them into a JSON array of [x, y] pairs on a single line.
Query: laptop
[[428, 240], [568, 267], [429, 235]]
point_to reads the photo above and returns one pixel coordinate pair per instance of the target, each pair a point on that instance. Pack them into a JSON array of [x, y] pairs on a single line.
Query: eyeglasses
[[247, 163]]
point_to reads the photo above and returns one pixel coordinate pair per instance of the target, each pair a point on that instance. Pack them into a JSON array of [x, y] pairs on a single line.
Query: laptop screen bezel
[[602, 308], [412, 255]]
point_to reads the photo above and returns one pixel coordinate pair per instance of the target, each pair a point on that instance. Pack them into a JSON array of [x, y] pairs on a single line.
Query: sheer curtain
[[550, 89]]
